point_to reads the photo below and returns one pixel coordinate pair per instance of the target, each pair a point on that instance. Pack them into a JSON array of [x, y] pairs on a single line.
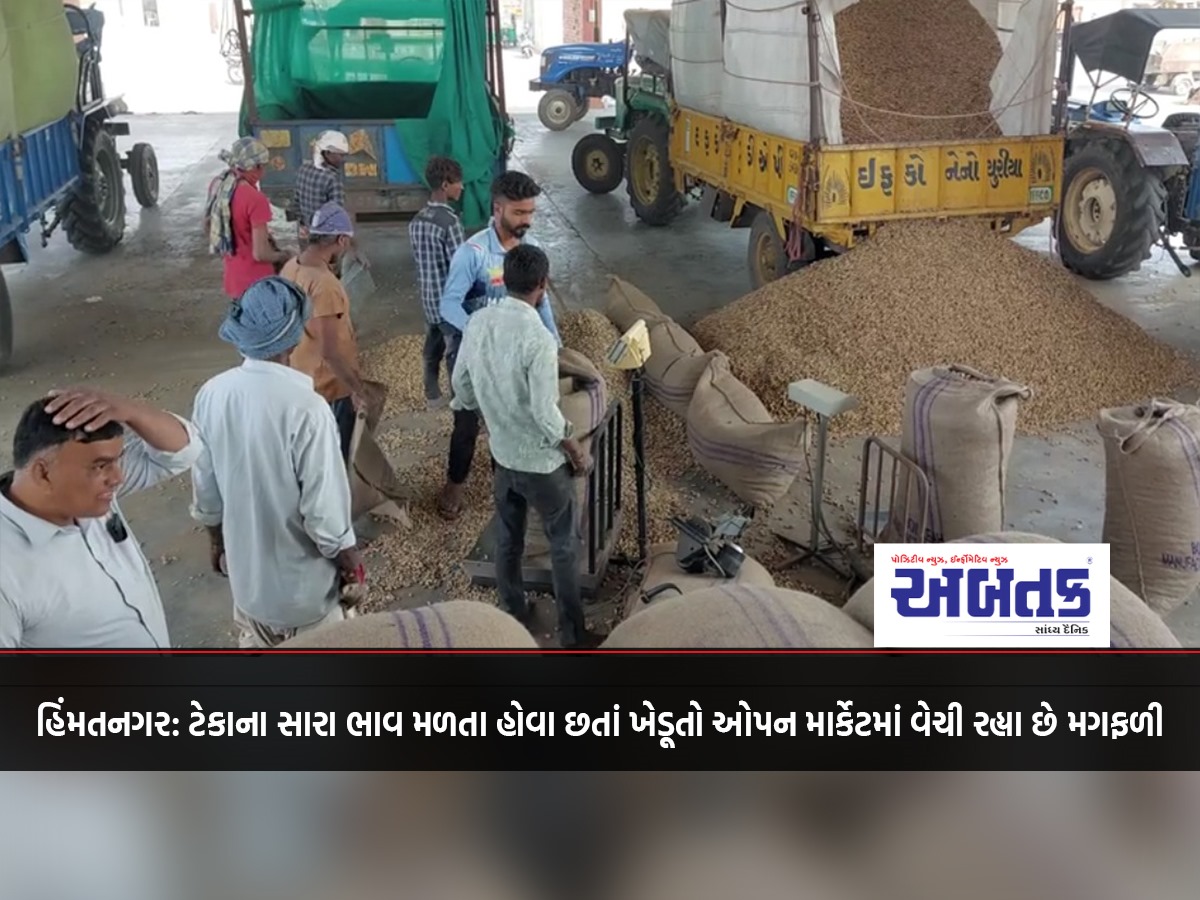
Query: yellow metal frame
[[842, 193]]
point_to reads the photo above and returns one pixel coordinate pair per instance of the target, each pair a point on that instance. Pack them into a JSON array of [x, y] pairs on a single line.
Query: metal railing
[[905, 481]]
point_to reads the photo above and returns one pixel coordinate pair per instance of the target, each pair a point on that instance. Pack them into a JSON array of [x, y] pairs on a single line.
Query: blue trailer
[[68, 172]]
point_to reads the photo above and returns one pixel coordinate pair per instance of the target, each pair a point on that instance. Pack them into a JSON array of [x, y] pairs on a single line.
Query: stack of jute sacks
[[1133, 624], [730, 433], [583, 401], [960, 427]]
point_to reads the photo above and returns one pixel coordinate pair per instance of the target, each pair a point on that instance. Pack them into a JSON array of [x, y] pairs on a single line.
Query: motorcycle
[[526, 46]]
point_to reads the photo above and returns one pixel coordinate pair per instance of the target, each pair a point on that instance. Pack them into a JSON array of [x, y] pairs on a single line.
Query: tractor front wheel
[[558, 110], [1112, 212], [649, 177], [143, 172], [93, 215], [598, 163]]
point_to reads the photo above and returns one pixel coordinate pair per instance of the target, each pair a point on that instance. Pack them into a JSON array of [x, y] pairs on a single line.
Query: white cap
[[332, 142]]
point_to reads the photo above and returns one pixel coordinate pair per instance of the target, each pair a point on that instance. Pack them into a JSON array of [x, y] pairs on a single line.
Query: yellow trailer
[[828, 197]]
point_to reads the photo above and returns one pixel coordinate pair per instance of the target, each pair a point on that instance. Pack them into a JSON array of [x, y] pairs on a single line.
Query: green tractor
[[633, 144]]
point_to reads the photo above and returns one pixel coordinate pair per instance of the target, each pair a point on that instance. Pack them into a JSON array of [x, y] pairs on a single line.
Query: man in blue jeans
[[507, 370], [476, 280]]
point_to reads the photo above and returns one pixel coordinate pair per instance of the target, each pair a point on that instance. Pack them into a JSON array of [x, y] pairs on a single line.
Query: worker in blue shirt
[[476, 280]]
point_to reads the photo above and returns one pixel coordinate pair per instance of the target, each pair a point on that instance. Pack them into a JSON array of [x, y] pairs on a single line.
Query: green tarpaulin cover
[[38, 65], [421, 63]]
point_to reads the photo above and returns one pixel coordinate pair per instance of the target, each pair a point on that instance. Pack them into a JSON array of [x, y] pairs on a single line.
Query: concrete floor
[[143, 320]]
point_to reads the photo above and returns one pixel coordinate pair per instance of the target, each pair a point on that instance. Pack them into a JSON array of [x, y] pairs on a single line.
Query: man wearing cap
[[72, 574], [319, 181], [328, 350], [270, 486], [237, 217]]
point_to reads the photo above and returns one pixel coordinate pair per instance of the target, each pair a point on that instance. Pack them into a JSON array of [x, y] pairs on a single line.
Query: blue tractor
[[1127, 186], [572, 75]]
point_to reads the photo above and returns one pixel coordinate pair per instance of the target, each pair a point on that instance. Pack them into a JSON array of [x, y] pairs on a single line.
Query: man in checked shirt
[[435, 233], [320, 181]]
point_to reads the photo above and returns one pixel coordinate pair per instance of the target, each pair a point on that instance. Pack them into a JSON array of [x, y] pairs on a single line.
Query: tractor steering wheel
[[1140, 104]]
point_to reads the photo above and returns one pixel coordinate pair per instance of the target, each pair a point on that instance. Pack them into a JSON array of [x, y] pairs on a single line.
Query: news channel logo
[[1027, 596]]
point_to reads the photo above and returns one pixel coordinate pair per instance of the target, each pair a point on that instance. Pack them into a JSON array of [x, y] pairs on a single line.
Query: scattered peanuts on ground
[[928, 293], [893, 59]]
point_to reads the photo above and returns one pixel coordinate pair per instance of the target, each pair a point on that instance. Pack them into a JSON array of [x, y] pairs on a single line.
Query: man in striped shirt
[[435, 233]]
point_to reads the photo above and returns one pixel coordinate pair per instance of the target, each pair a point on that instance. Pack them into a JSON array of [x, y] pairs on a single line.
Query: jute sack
[[675, 365], [441, 626], [626, 304], [734, 438], [663, 571], [374, 487], [739, 616], [959, 426], [1152, 499], [583, 393], [1132, 624]]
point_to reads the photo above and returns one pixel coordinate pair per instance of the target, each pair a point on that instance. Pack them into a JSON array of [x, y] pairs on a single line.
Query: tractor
[[571, 76], [1127, 186]]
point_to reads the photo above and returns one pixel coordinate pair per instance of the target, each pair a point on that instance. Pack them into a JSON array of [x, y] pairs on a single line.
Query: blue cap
[[331, 219]]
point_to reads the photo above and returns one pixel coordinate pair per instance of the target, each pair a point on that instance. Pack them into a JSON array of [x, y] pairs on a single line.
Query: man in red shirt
[[237, 217]]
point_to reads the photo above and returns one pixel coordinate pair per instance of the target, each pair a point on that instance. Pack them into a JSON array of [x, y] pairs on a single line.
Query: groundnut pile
[[928, 293], [920, 58]]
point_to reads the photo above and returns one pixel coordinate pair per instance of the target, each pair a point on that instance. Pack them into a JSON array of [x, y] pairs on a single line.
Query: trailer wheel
[[6, 324], [649, 178], [1183, 85], [557, 110], [143, 172], [766, 253], [598, 163], [93, 215], [1112, 213]]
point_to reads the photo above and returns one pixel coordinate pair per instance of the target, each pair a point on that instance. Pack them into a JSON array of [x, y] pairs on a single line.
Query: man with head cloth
[[237, 217], [72, 575], [271, 486]]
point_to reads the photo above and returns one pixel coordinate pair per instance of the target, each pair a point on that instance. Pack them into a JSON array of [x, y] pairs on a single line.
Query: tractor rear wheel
[[93, 215], [143, 172], [6, 324], [649, 178], [1113, 210], [557, 110], [598, 163]]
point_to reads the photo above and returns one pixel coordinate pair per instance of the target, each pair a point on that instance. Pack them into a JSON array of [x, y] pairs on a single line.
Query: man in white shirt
[[507, 369], [72, 575], [271, 486]]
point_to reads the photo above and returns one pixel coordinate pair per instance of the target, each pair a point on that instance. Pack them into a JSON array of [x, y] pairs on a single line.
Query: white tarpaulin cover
[[765, 71]]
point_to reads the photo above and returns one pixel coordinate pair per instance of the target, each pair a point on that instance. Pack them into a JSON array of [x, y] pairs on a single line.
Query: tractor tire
[[1183, 86], [93, 215], [649, 178], [6, 325], [1112, 211], [557, 110], [598, 163], [143, 172], [582, 109]]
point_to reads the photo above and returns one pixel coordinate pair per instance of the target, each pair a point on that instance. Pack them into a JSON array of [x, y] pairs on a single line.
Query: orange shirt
[[329, 300]]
